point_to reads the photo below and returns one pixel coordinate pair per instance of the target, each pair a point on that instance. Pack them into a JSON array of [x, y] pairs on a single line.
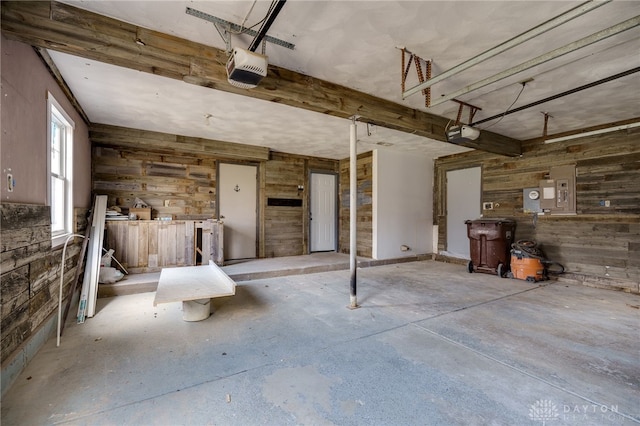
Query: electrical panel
[[531, 200], [562, 194], [558, 193]]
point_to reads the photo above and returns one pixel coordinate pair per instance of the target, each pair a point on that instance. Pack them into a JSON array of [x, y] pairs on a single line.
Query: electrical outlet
[[487, 206], [10, 182]]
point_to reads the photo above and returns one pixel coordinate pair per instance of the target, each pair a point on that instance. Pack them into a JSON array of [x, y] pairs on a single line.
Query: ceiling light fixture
[[593, 132]]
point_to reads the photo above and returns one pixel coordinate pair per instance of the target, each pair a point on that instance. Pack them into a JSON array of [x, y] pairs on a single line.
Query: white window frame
[[56, 113]]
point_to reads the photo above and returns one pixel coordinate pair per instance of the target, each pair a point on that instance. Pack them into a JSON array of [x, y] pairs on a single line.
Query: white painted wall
[[402, 204], [25, 83]]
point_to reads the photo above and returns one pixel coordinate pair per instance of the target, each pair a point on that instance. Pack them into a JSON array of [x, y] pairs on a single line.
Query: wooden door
[[323, 212], [237, 189]]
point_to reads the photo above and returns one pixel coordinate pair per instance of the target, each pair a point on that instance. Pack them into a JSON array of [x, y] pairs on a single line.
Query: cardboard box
[[142, 214]]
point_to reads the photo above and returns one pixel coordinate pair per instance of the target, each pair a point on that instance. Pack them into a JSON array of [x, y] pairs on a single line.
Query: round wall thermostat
[[534, 195]]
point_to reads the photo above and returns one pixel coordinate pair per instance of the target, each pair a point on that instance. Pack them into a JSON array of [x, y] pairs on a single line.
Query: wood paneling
[[287, 228], [600, 244], [78, 32], [30, 271], [183, 184], [364, 228], [167, 144], [148, 246]]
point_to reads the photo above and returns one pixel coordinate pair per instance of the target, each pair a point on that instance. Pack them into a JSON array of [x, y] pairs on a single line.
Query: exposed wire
[[446, 128], [244, 21], [266, 23], [243, 28], [507, 110]]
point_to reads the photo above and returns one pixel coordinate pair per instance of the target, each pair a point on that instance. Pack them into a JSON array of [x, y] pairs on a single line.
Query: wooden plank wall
[[284, 225], [177, 175], [149, 245], [30, 271], [212, 234], [287, 228], [181, 186], [365, 205], [600, 245]]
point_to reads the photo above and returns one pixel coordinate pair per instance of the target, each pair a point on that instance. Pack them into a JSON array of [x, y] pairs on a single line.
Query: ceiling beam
[[67, 29]]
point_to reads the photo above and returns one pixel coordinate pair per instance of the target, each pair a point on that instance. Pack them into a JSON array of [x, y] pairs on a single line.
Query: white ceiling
[[354, 44]]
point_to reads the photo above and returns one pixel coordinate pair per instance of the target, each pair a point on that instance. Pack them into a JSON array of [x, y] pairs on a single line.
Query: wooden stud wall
[[30, 271], [599, 245], [365, 205]]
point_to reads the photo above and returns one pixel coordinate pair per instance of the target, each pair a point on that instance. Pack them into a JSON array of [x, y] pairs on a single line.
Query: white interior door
[[323, 212], [463, 202], [237, 189]]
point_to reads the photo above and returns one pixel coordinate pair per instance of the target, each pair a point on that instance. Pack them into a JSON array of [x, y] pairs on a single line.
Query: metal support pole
[[353, 210]]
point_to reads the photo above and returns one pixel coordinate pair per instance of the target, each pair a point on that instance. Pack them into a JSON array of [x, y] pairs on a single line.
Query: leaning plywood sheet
[[193, 283]]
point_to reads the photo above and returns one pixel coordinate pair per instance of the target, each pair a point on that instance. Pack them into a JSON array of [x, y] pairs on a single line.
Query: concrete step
[[148, 282]]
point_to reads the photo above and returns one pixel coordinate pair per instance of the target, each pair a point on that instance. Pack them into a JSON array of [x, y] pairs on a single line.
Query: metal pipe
[[560, 95], [64, 251], [353, 210], [515, 41], [266, 25], [556, 53]]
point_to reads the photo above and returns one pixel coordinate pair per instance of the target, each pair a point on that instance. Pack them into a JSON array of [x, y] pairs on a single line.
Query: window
[[60, 143]]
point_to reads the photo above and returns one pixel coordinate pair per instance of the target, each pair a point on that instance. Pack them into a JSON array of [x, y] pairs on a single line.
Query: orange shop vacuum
[[528, 263]]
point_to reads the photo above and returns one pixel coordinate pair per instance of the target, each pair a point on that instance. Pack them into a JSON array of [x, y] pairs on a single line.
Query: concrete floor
[[431, 345]]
